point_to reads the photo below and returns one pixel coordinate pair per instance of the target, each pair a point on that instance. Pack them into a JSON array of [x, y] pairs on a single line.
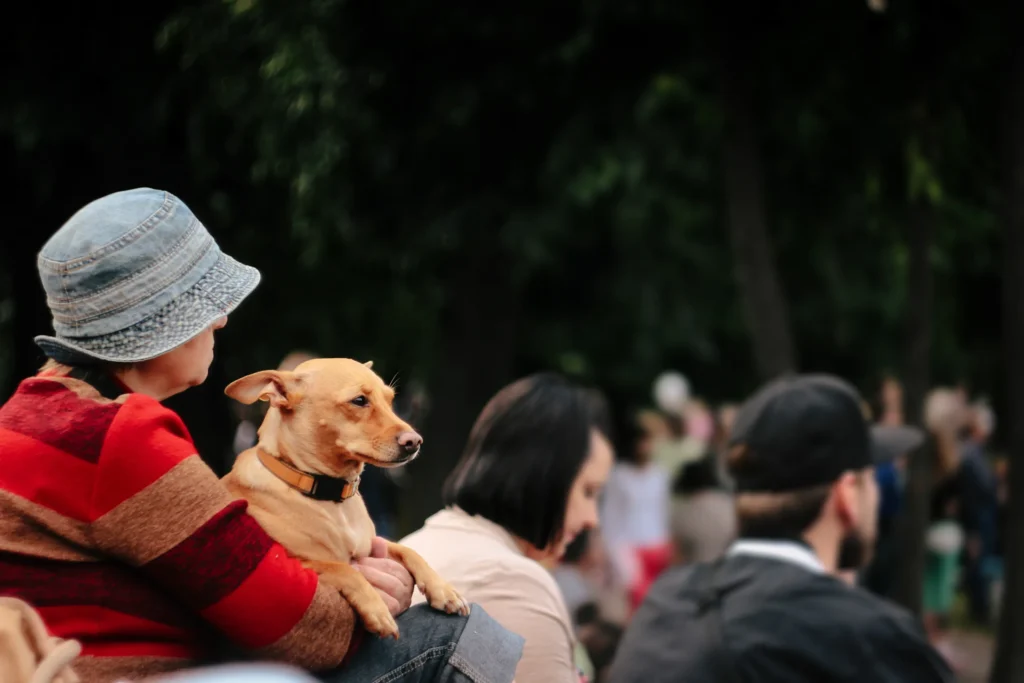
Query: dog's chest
[[353, 530]]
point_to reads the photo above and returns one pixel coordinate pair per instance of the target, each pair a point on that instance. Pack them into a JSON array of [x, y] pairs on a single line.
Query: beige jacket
[[483, 561]]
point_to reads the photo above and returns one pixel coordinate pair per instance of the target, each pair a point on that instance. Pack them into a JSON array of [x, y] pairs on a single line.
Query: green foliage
[[400, 142], [362, 155]]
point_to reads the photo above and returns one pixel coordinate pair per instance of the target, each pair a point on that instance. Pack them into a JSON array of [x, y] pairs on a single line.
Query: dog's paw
[[375, 615], [381, 623], [443, 597]]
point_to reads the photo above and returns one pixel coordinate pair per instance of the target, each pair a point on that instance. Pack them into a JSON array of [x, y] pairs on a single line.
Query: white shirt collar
[[784, 551]]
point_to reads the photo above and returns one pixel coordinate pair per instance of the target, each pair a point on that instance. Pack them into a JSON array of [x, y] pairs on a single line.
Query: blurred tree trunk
[[914, 523], [922, 126], [477, 359], [29, 231], [30, 317], [18, 261], [1009, 662], [758, 282]]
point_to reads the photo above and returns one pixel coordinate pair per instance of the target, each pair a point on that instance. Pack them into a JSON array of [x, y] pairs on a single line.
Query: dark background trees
[[467, 192]]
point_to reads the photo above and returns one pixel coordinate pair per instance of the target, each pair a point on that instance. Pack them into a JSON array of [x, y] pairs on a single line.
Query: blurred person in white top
[[635, 509]]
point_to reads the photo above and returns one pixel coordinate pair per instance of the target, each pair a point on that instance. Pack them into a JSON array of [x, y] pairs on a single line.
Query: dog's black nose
[[410, 442]]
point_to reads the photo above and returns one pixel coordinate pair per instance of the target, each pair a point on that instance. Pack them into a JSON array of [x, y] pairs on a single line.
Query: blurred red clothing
[[652, 560]]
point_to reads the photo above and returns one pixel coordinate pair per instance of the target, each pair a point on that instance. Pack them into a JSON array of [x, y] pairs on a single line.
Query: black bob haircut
[[523, 455]]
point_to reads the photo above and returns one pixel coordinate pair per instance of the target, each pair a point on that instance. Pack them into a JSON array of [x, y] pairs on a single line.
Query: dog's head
[[330, 412]]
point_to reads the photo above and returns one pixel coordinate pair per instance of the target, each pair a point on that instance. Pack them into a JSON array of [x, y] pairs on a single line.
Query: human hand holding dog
[[392, 580]]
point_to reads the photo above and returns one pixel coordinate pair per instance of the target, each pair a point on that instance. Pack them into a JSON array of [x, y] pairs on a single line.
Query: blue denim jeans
[[436, 647]]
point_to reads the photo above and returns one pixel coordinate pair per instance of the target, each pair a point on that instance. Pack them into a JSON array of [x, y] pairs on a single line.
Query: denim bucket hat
[[132, 276]]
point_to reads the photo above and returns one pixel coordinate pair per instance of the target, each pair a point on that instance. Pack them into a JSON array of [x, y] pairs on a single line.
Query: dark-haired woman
[[526, 486]]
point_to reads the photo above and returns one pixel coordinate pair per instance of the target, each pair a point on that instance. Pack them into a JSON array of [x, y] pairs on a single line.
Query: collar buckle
[[332, 489]]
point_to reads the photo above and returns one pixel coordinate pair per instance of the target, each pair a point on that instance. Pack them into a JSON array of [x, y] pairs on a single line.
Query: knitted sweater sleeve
[[157, 506]]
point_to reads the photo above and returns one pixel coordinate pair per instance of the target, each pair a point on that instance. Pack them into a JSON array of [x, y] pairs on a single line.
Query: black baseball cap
[[801, 431]]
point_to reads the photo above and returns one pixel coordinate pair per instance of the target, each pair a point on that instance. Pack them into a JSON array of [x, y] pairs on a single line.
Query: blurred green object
[[583, 662]]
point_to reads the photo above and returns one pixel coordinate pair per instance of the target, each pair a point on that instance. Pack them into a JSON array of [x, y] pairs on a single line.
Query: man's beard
[[854, 552]]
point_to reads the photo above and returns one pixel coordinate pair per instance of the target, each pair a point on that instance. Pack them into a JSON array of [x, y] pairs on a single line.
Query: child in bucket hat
[[111, 524]]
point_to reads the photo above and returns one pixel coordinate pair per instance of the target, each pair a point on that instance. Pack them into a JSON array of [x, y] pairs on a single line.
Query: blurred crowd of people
[[669, 501], [968, 500]]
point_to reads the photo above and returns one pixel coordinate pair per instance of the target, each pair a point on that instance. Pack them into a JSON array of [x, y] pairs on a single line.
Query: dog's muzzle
[[406, 457]]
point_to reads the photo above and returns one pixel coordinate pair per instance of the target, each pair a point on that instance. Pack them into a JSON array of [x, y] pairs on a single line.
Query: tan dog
[[328, 419]]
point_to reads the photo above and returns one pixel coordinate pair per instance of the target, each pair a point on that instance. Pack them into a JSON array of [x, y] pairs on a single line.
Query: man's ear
[[846, 498], [278, 387]]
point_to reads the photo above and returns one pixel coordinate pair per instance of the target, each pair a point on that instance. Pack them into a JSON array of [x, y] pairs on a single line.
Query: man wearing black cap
[[772, 609]]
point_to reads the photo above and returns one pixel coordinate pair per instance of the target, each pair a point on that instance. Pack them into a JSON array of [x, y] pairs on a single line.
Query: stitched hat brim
[[217, 294]]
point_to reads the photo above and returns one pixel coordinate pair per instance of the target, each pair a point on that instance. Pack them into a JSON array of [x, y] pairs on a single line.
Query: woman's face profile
[[581, 509]]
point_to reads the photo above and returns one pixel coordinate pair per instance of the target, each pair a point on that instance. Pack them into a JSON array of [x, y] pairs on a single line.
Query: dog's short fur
[[331, 417]]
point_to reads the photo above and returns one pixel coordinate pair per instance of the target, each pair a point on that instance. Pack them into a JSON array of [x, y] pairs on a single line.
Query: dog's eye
[[360, 401]]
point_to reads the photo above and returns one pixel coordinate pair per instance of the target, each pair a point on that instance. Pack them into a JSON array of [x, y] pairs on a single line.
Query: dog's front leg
[[359, 593], [438, 592]]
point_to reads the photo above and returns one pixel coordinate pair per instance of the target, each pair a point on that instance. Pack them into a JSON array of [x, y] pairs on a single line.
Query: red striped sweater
[[122, 538]]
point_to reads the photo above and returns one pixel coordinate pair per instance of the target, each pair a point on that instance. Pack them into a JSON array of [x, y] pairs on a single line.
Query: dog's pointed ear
[[369, 364], [276, 386]]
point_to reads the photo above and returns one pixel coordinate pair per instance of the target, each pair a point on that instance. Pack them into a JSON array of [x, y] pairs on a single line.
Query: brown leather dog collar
[[316, 486]]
